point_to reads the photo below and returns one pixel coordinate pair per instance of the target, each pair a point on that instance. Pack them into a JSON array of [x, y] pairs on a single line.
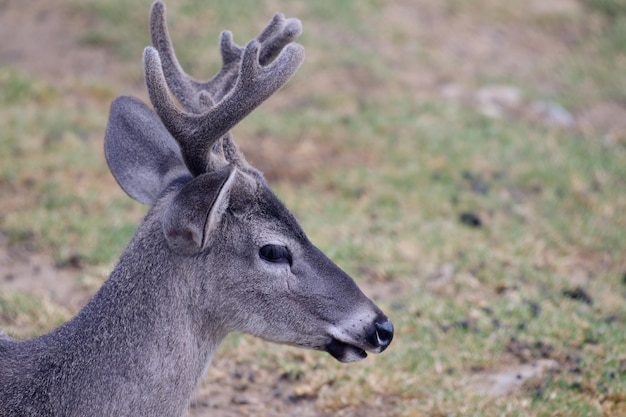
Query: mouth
[[345, 352], [347, 346]]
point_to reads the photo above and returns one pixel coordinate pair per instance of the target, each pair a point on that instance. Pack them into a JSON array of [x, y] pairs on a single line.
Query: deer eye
[[275, 254]]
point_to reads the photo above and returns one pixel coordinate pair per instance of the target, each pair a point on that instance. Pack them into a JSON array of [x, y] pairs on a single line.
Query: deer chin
[[345, 352]]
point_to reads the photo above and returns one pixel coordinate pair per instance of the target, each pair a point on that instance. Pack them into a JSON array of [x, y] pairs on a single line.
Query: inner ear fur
[[243, 195], [195, 209]]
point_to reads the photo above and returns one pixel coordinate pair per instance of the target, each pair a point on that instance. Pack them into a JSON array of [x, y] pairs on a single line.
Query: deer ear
[[196, 210], [142, 155]]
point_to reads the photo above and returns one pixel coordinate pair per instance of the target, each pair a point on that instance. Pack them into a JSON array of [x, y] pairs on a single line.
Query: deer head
[[254, 268]]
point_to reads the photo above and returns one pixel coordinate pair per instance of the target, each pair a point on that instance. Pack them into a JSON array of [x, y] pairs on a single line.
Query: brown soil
[[42, 38], [36, 273]]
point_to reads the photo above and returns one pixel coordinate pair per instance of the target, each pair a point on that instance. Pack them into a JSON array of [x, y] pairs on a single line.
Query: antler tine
[[196, 133], [184, 88], [192, 94], [194, 151], [278, 33]]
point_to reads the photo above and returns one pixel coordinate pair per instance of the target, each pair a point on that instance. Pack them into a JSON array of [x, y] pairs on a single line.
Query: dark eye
[[275, 254]]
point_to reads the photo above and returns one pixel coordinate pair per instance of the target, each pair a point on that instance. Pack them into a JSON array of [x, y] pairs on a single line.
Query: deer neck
[[140, 334]]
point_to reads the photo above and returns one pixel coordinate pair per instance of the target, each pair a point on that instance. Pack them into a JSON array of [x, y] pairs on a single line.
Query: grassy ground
[[493, 234]]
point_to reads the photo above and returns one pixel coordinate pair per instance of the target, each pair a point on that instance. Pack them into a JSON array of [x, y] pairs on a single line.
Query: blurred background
[[463, 160]]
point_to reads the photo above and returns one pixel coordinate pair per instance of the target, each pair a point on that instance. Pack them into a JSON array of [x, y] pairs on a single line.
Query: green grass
[[52, 173], [382, 194], [24, 315]]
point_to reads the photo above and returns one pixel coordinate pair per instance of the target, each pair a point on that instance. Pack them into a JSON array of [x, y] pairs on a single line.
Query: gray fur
[[193, 272]]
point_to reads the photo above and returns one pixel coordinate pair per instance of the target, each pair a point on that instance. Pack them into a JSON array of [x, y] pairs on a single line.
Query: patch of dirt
[[606, 119], [43, 38], [511, 379], [25, 271], [233, 390], [525, 368]]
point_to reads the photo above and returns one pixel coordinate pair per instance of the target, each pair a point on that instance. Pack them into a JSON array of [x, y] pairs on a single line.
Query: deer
[[217, 251]]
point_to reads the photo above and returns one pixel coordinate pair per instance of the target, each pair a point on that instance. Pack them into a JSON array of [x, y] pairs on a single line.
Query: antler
[[248, 77]]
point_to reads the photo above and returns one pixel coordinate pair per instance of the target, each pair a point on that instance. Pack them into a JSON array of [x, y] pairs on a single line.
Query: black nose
[[384, 333]]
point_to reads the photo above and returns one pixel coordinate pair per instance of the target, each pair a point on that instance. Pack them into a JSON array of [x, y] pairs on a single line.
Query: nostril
[[384, 333]]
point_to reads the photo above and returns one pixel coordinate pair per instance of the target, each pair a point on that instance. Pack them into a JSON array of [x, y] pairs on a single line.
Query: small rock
[[199, 404], [477, 184], [494, 100], [470, 219], [578, 294], [463, 324], [576, 385], [535, 308], [240, 400], [553, 113]]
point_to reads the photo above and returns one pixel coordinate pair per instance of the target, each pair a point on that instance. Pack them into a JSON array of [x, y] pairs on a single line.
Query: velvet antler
[[249, 75]]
